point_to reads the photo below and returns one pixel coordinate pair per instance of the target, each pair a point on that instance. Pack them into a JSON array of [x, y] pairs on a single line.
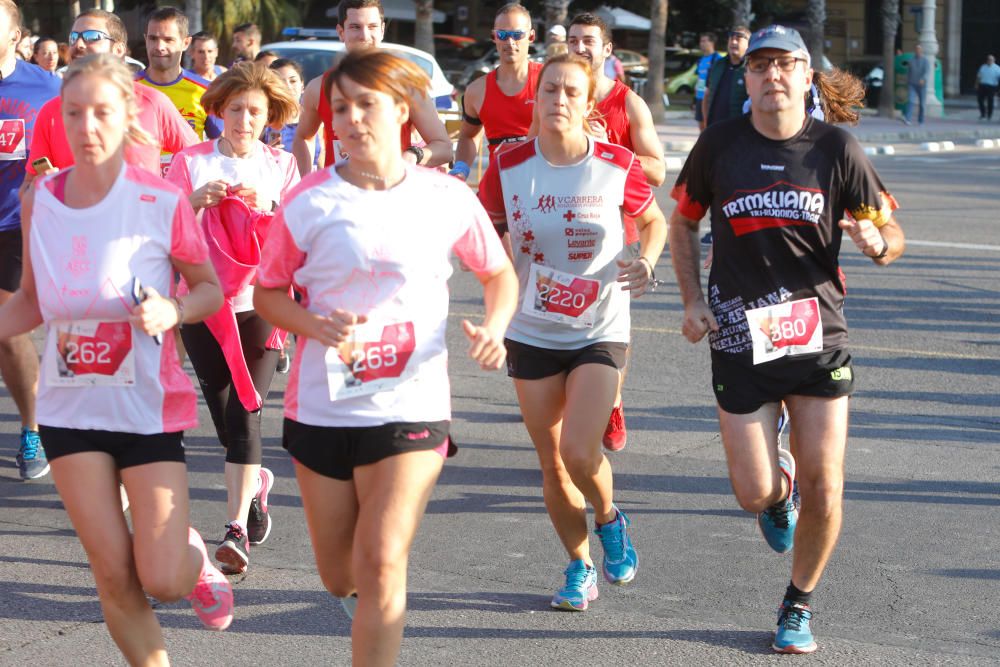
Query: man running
[[361, 25], [23, 89], [502, 102], [246, 42], [777, 183]]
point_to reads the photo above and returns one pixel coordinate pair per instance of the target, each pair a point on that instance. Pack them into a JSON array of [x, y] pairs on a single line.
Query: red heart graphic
[[384, 358], [11, 135], [100, 354]]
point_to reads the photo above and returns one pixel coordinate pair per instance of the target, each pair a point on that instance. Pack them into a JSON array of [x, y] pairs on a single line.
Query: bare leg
[[331, 509], [241, 484]]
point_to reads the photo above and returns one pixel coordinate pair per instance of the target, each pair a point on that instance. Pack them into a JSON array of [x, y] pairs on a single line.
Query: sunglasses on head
[[504, 35], [88, 36]]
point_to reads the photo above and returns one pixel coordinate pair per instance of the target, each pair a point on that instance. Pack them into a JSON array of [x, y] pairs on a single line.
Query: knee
[[337, 579], [166, 586], [821, 495], [755, 495], [384, 562], [582, 461], [115, 578]]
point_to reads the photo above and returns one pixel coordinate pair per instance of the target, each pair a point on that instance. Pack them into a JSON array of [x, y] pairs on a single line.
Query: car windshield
[[316, 61]]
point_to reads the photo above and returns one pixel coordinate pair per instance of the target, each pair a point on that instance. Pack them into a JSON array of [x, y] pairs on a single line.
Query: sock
[[793, 594]]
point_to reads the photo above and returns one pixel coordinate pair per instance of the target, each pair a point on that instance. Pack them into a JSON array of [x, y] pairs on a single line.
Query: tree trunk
[[556, 13], [423, 35], [653, 93], [890, 23], [192, 8], [816, 13], [74, 10], [742, 13]]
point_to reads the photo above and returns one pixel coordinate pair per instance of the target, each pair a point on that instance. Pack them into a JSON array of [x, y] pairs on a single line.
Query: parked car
[[316, 55], [634, 63], [486, 59]]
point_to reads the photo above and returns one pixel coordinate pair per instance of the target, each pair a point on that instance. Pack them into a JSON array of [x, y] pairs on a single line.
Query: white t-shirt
[[98, 371], [565, 224], [270, 170], [384, 254]]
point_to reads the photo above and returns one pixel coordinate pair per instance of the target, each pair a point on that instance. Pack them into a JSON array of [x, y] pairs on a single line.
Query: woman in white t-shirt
[[236, 182], [367, 409], [561, 196], [113, 400]]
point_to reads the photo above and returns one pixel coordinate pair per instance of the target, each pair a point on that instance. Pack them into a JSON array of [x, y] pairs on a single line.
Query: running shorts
[[527, 362], [335, 451], [10, 260], [741, 390], [127, 449]]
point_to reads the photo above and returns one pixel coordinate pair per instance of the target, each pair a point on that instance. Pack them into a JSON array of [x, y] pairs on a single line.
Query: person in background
[[204, 52], [25, 45], [45, 54], [987, 82], [246, 42], [725, 89], [265, 58], [290, 72], [556, 41], [709, 55], [918, 71]]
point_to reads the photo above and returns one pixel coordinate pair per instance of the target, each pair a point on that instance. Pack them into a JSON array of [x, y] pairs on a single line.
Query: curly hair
[[841, 95]]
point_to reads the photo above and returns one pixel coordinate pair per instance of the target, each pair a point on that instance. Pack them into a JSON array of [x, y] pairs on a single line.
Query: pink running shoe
[[212, 597], [614, 434]]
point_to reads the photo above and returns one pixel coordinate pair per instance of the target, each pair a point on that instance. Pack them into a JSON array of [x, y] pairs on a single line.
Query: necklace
[[371, 176]]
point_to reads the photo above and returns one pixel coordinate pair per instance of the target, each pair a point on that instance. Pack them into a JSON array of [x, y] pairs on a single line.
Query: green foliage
[[221, 16]]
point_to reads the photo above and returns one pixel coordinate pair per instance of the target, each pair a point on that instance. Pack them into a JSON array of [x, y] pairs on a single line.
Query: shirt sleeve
[[213, 127], [693, 188], [491, 192], [862, 193], [281, 257], [187, 242], [638, 194], [291, 176], [478, 247]]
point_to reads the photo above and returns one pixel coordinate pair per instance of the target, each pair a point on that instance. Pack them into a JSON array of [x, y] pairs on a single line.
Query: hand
[[155, 314], [335, 328], [698, 321], [598, 130], [248, 194], [208, 195], [865, 236], [635, 274], [484, 347]]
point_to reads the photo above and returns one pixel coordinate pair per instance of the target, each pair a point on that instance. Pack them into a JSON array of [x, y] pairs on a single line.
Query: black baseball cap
[[777, 37]]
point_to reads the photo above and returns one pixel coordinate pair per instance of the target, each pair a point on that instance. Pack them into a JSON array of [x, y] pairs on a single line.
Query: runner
[[367, 407], [45, 54], [562, 196], [237, 181], [775, 304], [23, 89], [246, 42], [204, 52], [113, 398], [361, 25], [500, 103], [621, 117], [290, 72], [166, 39]]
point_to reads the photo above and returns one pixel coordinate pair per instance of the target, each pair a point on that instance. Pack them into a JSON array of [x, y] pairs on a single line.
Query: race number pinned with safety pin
[[88, 353], [561, 297], [12, 140], [373, 360], [785, 329]]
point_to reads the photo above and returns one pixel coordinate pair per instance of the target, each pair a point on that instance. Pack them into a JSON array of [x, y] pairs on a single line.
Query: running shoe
[[284, 362], [614, 434], [706, 240], [777, 522], [350, 605], [793, 634], [212, 597], [259, 519], [234, 550], [580, 589], [31, 461], [620, 559]]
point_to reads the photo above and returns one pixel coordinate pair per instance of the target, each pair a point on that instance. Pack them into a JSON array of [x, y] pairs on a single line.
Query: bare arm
[[21, 314], [685, 252], [309, 125], [704, 108], [470, 135], [500, 297], [637, 273], [645, 141], [437, 149], [872, 240], [282, 311]]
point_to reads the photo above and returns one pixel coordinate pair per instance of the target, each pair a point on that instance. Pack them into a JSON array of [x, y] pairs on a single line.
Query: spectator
[[45, 54], [725, 90], [707, 44], [987, 81], [556, 43], [265, 58], [246, 42], [204, 52], [918, 70]]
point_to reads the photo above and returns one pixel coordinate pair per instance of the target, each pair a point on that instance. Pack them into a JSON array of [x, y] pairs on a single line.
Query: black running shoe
[[284, 362], [259, 519], [234, 550]]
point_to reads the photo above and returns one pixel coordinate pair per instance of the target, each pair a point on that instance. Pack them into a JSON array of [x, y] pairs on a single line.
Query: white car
[[315, 52]]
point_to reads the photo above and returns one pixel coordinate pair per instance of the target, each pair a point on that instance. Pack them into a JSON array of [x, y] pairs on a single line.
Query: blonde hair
[[245, 76], [112, 69]]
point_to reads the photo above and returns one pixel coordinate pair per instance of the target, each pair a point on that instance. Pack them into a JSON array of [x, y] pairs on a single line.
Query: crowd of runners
[[222, 213]]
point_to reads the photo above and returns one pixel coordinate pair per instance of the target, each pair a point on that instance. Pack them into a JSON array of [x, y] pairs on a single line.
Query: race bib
[[165, 160], [12, 143], [561, 297], [785, 329], [372, 361], [87, 353]]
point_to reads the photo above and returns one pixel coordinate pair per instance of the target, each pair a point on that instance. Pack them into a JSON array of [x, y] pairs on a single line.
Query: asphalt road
[[914, 579]]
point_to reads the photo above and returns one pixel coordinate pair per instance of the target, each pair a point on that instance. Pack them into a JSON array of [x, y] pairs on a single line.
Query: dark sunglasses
[[504, 35], [88, 36]]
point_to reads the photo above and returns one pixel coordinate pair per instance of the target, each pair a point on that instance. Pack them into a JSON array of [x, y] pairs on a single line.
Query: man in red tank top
[[361, 25], [621, 117], [502, 102]]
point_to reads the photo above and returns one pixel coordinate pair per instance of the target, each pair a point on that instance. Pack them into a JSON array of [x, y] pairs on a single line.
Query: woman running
[[104, 242], [290, 72], [561, 196], [236, 182], [367, 407]]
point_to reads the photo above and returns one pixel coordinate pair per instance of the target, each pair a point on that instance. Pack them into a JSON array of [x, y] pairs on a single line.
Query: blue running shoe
[[777, 522], [31, 461], [620, 559], [580, 588], [793, 634]]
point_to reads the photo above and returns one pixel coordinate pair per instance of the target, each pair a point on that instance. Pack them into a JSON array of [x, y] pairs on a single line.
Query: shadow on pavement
[[968, 574]]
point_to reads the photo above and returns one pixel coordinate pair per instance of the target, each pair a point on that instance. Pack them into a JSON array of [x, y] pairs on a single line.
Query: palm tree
[[423, 37], [653, 93], [890, 23], [816, 13], [271, 16]]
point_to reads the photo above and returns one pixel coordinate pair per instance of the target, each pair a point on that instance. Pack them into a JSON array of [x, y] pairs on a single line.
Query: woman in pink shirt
[[104, 241]]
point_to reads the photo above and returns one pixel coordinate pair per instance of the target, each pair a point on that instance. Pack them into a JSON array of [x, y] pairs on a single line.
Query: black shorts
[[10, 260], [698, 115], [527, 362], [127, 449], [741, 390], [335, 451]]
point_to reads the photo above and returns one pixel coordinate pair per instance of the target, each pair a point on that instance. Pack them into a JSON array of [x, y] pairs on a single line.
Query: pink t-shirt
[[98, 371], [157, 116], [384, 254]]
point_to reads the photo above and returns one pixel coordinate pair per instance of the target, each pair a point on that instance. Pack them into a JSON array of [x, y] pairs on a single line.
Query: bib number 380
[[785, 329], [374, 360], [90, 353]]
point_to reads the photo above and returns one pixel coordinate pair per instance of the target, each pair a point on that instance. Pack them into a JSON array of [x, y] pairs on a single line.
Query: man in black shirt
[[777, 184], [725, 89]]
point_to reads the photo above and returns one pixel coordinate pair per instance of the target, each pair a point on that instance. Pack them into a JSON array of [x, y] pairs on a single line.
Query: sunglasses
[[88, 36], [504, 35], [759, 65]]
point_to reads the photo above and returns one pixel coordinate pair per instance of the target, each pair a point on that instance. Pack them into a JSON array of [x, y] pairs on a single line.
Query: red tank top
[[507, 118], [330, 142], [611, 113]]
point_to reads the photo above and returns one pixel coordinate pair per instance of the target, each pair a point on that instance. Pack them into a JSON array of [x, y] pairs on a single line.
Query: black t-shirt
[[722, 95], [774, 208]]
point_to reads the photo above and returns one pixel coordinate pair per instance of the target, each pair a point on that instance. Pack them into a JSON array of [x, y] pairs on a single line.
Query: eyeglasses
[[504, 35], [88, 36], [740, 35], [783, 63]]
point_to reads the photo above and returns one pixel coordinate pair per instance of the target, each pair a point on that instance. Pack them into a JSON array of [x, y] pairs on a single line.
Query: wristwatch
[[885, 250], [417, 151]]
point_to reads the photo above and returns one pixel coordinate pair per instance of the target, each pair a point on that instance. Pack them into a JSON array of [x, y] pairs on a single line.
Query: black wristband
[[885, 250], [417, 151], [652, 272]]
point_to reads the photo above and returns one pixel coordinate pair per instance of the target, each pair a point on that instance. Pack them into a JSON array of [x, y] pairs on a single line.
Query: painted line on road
[[948, 244]]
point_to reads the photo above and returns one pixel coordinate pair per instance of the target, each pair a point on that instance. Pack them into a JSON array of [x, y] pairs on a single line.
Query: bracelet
[[417, 151], [885, 250], [461, 170], [180, 309], [652, 271]]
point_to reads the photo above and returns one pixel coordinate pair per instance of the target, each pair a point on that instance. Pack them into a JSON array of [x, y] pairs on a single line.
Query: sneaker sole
[[43, 473], [263, 504], [233, 562], [791, 649], [620, 582], [611, 447], [566, 605]]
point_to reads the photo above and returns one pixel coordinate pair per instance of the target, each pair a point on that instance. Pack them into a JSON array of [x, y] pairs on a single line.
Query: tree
[[816, 14], [742, 13], [423, 35], [653, 93], [890, 23], [271, 16], [556, 13], [193, 10]]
